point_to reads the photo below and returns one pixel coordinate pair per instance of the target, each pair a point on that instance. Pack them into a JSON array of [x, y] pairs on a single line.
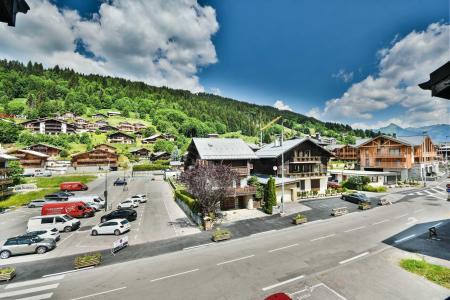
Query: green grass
[[25, 198], [435, 273], [55, 181]]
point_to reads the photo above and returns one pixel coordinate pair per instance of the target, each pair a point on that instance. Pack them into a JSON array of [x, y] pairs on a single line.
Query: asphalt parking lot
[[159, 218]]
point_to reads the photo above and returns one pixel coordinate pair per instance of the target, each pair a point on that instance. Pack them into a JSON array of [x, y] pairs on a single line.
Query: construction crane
[[261, 129]]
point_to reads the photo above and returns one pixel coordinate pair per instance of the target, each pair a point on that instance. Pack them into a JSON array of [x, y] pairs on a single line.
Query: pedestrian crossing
[[434, 191], [37, 289]]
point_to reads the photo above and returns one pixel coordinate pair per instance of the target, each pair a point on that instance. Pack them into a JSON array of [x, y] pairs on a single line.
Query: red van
[[74, 209], [73, 186]]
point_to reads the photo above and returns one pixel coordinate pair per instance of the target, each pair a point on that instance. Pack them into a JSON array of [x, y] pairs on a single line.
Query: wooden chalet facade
[[161, 155], [106, 147], [232, 152], [95, 157], [6, 181], [158, 136], [30, 159], [45, 149], [49, 126], [107, 128], [139, 126], [120, 138], [126, 127], [99, 116], [141, 152]]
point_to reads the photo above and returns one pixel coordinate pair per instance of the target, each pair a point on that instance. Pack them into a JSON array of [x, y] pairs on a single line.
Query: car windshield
[[54, 230], [37, 239], [124, 222], [67, 217]]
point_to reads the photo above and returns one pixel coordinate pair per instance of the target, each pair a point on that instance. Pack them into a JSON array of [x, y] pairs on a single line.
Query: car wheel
[[67, 229], [5, 254], [119, 207], [41, 250], [117, 232], [103, 220], [31, 206], [94, 232]]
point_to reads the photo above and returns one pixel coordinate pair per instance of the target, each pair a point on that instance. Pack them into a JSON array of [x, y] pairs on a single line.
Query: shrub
[[148, 167], [64, 153], [6, 270], [187, 198], [356, 182], [221, 234], [162, 162], [375, 189], [270, 196], [300, 217]]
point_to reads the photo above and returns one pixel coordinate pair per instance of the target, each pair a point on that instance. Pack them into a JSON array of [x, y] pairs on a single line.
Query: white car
[[129, 203], [140, 197], [114, 226], [94, 205], [44, 234]]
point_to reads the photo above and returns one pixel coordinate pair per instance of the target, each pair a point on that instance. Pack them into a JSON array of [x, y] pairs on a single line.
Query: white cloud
[[406, 63], [279, 104], [160, 42], [343, 75], [216, 91]]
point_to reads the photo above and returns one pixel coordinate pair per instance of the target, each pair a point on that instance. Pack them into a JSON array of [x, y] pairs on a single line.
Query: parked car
[[77, 209], [44, 234], [56, 197], [61, 222], [42, 173], [142, 198], [115, 226], [355, 197], [278, 296], [26, 245], [65, 194], [129, 214], [73, 186], [333, 185], [119, 181], [129, 203], [89, 199], [38, 203]]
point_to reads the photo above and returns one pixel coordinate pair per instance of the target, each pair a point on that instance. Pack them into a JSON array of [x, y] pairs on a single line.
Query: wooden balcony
[[241, 191], [241, 171], [306, 159], [387, 164], [307, 174], [386, 154], [31, 161]]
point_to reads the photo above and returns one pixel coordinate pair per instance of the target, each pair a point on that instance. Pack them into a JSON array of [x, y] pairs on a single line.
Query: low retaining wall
[[194, 217]]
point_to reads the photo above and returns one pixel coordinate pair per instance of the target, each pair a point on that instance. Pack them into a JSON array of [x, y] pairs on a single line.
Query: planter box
[[221, 237], [7, 276], [299, 221], [364, 206], [87, 261]]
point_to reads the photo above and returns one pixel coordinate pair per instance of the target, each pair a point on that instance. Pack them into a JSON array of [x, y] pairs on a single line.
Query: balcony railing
[[306, 159], [385, 165], [307, 174], [386, 154], [241, 191], [241, 171]]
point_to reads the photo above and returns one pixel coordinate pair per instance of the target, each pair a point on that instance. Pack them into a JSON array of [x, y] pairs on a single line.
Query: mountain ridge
[[438, 132]]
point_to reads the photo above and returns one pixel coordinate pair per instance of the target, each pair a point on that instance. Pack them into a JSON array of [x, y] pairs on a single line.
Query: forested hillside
[[52, 91]]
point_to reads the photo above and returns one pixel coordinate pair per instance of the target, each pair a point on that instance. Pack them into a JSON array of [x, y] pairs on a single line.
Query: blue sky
[[303, 53]]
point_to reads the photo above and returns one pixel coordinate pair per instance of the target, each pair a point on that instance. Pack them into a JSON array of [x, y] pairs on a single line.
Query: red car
[[278, 296], [73, 186], [333, 185], [73, 209]]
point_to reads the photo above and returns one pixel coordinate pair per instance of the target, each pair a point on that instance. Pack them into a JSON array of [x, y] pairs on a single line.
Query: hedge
[[377, 189], [162, 162], [187, 198], [148, 167]]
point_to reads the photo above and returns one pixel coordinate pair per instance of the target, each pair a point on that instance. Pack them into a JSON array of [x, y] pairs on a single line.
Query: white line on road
[[63, 240], [380, 222], [38, 297], [283, 282], [405, 238], [198, 246], [32, 282], [173, 275], [323, 237], [353, 229], [428, 192], [401, 216], [353, 258], [233, 260], [101, 293], [419, 210], [28, 291], [281, 248], [438, 224], [67, 272]]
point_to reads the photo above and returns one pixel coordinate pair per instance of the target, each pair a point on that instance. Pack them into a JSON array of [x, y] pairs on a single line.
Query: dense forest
[[53, 91]]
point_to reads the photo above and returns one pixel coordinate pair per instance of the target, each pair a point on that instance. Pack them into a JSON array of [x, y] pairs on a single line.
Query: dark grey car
[[26, 245]]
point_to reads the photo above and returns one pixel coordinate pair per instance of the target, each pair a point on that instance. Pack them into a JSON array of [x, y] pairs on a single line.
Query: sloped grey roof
[[360, 141], [223, 148], [272, 151], [412, 140], [334, 146], [4, 156]]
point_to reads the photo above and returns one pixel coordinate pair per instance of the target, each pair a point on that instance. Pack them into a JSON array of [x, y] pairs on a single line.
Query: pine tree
[[270, 196]]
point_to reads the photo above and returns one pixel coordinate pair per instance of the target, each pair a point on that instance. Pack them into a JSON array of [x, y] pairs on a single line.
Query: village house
[[305, 165], [95, 158], [92, 127], [106, 147], [160, 155], [107, 128], [101, 123], [120, 138], [30, 159], [231, 152], [47, 149], [99, 116], [5, 179], [141, 152], [139, 126], [413, 157], [348, 153], [80, 122], [113, 113], [126, 127], [158, 136], [48, 126], [66, 116]]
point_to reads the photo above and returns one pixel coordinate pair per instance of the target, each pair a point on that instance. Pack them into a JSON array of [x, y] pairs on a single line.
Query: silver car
[[26, 245], [38, 203]]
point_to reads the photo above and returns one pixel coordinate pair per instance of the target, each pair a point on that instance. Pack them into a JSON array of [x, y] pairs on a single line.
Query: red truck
[[73, 186], [74, 209]]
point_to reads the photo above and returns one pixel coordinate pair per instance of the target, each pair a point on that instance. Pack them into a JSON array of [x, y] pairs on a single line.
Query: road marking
[[436, 197], [380, 222], [311, 289], [174, 275], [438, 191], [428, 192], [68, 272], [63, 240], [353, 229], [38, 297], [405, 238], [233, 260], [281, 248], [401, 216], [419, 210], [353, 258], [323, 237], [32, 282], [198, 246], [101, 293], [283, 282], [30, 290], [438, 224]]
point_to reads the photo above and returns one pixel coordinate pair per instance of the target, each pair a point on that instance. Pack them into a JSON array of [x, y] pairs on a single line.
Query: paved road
[[339, 258]]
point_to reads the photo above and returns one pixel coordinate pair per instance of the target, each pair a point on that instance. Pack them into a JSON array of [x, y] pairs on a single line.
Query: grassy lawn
[[55, 181], [25, 198], [434, 273]]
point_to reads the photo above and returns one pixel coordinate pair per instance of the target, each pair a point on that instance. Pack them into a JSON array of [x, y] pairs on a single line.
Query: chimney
[[318, 136], [394, 135]]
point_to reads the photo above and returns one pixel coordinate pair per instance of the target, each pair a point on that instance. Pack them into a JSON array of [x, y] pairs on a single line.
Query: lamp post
[[282, 167], [105, 193]]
